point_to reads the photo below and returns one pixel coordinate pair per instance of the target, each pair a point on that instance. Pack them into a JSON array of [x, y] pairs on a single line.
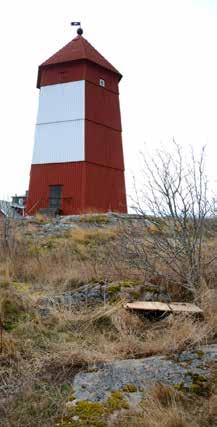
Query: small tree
[[173, 204], [8, 215]]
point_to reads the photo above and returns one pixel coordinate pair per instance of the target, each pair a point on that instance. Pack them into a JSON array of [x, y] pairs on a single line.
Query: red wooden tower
[[77, 164]]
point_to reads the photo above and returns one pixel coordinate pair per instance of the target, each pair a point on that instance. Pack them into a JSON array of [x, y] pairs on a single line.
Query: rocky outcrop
[[86, 295], [100, 293], [190, 371], [53, 227]]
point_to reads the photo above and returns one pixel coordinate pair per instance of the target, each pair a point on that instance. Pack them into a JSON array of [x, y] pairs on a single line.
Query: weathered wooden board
[[148, 306], [172, 307], [184, 307]]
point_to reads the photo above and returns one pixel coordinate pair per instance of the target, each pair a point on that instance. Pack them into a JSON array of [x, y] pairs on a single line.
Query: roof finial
[[79, 30]]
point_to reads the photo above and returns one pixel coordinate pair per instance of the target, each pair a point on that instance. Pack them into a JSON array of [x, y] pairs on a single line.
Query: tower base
[[76, 188]]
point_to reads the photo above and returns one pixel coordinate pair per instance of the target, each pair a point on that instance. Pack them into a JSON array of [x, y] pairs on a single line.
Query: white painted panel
[[59, 142], [61, 102]]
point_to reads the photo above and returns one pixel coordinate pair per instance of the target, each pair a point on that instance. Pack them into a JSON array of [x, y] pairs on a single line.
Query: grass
[[96, 219], [40, 355], [163, 406]]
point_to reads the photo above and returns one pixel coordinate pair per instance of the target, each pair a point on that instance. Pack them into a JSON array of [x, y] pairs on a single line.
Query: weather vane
[[79, 30]]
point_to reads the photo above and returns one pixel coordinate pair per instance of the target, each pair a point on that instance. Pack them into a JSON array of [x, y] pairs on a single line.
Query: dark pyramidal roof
[[79, 49]]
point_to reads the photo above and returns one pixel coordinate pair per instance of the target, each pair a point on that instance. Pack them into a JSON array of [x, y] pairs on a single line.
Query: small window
[[102, 82]]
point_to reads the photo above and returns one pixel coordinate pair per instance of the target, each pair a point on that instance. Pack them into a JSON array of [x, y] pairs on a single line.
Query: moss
[[200, 354], [194, 388], [84, 413], [135, 294], [21, 287], [196, 378], [129, 388], [199, 385], [94, 414], [114, 289], [181, 387], [113, 292], [90, 413], [129, 283], [203, 389], [117, 287], [116, 401], [200, 389]]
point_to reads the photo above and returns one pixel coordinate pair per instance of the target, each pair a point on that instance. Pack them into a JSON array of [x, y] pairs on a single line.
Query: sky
[[166, 51]]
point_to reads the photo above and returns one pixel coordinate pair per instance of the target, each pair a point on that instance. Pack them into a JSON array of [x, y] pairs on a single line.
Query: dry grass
[[40, 356], [165, 407], [78, 255]]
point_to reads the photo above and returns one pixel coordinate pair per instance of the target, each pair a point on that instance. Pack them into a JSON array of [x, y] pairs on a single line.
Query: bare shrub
[[173, 206]]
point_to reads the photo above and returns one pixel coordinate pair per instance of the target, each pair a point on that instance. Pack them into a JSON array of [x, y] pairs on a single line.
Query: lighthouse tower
[[77, 163]]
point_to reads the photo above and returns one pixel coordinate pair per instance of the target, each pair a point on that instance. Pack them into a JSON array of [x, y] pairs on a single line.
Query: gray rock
[[143, 373], [44, 311], [86, 294]]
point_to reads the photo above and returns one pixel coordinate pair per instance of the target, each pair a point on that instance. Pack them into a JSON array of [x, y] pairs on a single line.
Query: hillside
[[72, 355]]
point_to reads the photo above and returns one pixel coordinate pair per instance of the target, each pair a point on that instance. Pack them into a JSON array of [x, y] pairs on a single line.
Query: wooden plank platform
[[185, 307], [156, 306], [148, 306]]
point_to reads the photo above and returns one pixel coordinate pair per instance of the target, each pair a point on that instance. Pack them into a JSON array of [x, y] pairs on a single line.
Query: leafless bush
[[6, 227], [174, 208]]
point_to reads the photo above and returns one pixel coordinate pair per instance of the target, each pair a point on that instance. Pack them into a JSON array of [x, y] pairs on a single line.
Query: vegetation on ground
[[168, 253], [41, 355]]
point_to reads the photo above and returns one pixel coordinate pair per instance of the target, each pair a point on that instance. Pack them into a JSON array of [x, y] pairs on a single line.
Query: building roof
[[79, 49]]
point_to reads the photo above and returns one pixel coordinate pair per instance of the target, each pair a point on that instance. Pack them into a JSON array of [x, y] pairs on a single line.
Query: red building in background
[[78, 163]]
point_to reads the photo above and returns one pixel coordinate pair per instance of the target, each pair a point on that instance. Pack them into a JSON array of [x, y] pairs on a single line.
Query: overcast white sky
[[165, 49]]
